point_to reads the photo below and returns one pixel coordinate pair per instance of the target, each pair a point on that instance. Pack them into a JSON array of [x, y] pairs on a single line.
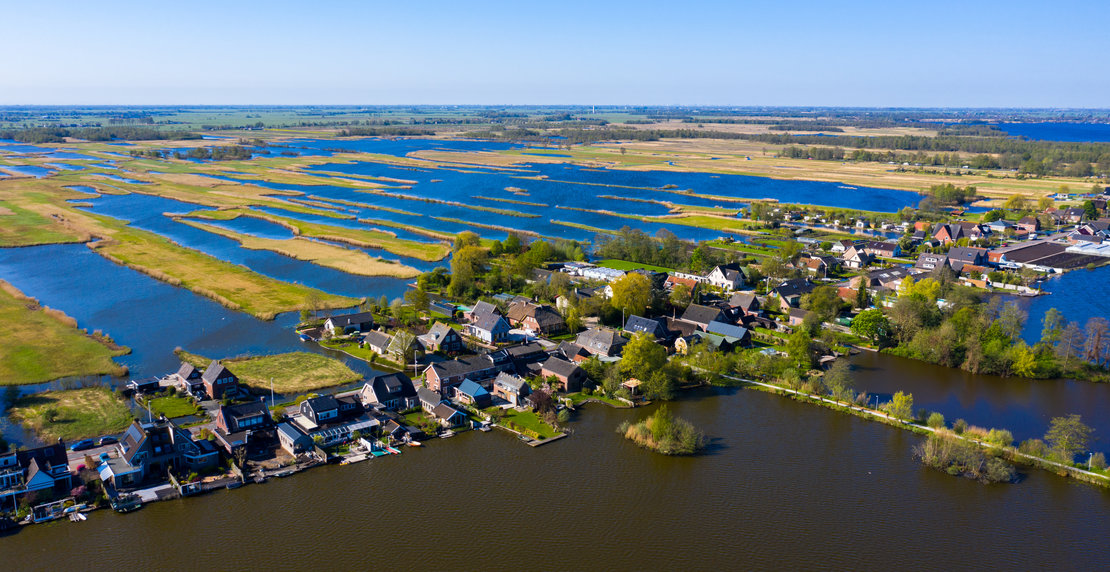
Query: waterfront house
[[188, 379], [791, 291], [393, 391], [701, 316], [654, 328], [147, 452], [602, 341], [377, 342], [350, 323], [293, 440], [428, 399], [320, 410], [334, 419], [511, 388], [490, 328], [442, 338], [144, 385], [536, 318], [471, 393], [219, 382], [244, 425], [448, 416], [570, 376], [31, 470]]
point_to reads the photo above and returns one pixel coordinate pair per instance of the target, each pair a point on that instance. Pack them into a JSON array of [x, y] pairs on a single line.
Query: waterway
[[1058, 131], [785, 486]]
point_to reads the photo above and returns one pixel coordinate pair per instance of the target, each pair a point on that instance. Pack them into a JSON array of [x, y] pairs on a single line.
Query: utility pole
[[271, 393]]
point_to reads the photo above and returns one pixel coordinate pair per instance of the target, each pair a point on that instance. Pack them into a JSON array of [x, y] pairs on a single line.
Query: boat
[[305, 338], [234, 485], [259, 479], [284, 473], [414, 444]]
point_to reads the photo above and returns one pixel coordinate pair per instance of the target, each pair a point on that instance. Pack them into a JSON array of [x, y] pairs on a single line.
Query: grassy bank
[[22, 227], [40, 344], [295, 372], [72, 414]]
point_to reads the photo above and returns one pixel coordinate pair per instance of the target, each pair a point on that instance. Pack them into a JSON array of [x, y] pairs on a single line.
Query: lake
[[1058, 131], [785, 486]]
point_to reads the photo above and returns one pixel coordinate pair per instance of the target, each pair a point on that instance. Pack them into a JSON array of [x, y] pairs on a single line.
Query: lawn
[[577, 398], [626, 265], [40, 344], [529, 421], [173, 406], [72, 414], [295, 372]]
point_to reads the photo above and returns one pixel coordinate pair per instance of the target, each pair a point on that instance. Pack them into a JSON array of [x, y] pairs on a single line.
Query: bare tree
[[1097, 329], [1069, 343]]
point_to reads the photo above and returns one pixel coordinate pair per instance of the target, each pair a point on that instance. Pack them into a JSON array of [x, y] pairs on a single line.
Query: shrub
[[1034, 447], [959, 426], [936, 420], [1098, 462], [1000, 438]]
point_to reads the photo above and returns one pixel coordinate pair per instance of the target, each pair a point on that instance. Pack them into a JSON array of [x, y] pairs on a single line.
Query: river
[[785, 486]]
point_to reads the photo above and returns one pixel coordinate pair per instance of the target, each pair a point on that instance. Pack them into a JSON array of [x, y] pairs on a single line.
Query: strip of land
[[292, 373], [72, 414]]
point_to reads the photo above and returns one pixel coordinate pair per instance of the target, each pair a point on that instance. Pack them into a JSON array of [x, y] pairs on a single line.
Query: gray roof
[[560, 366], [641, 324], [966, 254], [428, 396], [794, 287], [698, 314], [344, 320], [483, 308], [491, 323], [290, 431], [444, 411], [510, 381], [188, 371], [728, 330], [601, 339], [745, 300], [214, 371], [377, 339]]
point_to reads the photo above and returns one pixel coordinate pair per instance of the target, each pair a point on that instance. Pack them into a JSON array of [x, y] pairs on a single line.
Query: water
[[32, 170], [786, 486], [1058, 131], [1079, 295]]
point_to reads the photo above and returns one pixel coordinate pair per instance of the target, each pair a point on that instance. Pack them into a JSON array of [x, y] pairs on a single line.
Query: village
[[522, 357]]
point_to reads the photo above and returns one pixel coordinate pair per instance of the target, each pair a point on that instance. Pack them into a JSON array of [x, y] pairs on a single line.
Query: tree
[[824, 302], [1089, 210], [1068, 435], [901, 406], [632, 293], [1071, 341], [642, 356], [1052, 325], [838, 380], [871, 324], [681, 296], [1023, 359], [512, 244], [798, 348], [1012, 320], [418, 298], [312, 302], [863, 299], [1097, 337], [466, 238]]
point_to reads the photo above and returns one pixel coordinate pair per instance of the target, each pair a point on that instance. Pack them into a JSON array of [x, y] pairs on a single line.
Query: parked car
[[82, 445], [108, 440]]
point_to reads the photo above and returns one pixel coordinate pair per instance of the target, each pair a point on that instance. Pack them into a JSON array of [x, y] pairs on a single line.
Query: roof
[[682, 327], [391, 384], [743, 300], [322, 403], [560, 367], [966, 253], [215, 371], [244, 409], [290, 432], [798, 313], [600, 339], [483, 308], [444, 411], [344, 320], [795, 287], [510, 381], [698, 314], [439, 331], [641, 324], [730, 330], [377, 339], [428, 396], [490, 322], [188, 371], [461, 366], [572, 350], [471, 388]]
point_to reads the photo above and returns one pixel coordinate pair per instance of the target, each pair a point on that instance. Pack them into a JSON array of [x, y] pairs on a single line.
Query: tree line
[[120, 132]]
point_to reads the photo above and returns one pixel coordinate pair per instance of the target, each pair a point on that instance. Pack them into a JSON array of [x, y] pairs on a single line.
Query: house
[[244, 425], [1073, 215], [332, 420], [573, 352], [948, 233], [715, 342], [470, 393], [889, 278], [442, 308], [1000, 226], [1029, 224], [511, 388], [448, 416], [796, 316], [819, 264], [679, 327], [602, 341], [292, 440], [350, 323], [728, 277], [491, 328], [188, 379], [973, 230], [219, 382], [674, 280], [958, 256], [480, 310], [405, 348], [377, 342], [30, 470], [393, 391], [741, 334], [403, 433], [428, 399], [320, 410], [149, 451], [856, 257], [568, 373], [536, 318], [601, 273], [744, 304], [930, 262], [882, 249], [703, 315], [647, 325], [443, 375], [144, 385], [842, 245], [791, 291], [442, 338]]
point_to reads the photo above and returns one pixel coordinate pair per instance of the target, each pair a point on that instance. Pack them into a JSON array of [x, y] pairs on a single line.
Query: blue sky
[[970, 53]]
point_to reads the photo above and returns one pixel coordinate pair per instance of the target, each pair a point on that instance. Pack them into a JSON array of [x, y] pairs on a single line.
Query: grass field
[[22, 227], [173, 406], [626, 265], [292, 373], [528, 420], [324, 254], [72, 414], [38, 344]]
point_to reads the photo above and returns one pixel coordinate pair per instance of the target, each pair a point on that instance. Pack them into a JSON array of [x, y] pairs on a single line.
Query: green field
[[529, 421], [38, 344], [295, 372], [173, 406], [72, 414], [626, 265]]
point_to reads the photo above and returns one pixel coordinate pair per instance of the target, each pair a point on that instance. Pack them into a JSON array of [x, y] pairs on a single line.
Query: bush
[[959, 426], [1000, 438], [1034, 447], [1098, 462], [936, 420], [958, 457]]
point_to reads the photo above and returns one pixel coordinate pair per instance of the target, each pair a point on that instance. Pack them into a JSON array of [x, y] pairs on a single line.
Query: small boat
[[259, 479], [285, 473], [414, 444], [234, 485], [305, 338]]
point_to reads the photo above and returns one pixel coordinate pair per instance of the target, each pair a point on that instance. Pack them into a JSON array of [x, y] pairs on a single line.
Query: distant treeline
[[385, 131], [222, 153], [122, 132]]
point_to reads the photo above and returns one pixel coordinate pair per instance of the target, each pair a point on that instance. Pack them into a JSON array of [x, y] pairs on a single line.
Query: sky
[[369, 52]]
